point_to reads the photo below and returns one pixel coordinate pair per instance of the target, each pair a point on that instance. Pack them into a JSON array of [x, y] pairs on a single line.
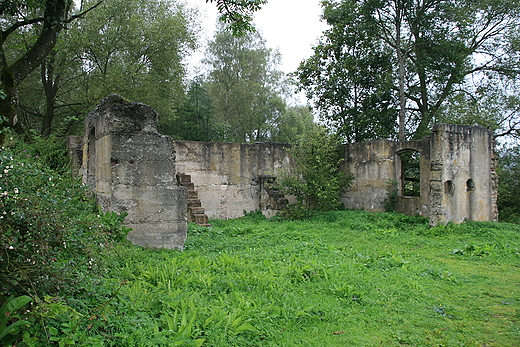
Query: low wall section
[[372, 164], [230, 177]]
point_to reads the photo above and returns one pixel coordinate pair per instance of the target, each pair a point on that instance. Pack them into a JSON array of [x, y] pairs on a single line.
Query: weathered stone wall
[[131, 168], [463, 181], [230, 178], [372, 164], [457, 175]]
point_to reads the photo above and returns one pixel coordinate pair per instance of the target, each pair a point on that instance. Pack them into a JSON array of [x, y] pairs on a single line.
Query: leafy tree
[[293, 123], [238, 13], [49, 100], [244, 86], [494, 103], [316, 181], [349, 78], [134, 48], [45, 19], [194, 119], [435, 47]]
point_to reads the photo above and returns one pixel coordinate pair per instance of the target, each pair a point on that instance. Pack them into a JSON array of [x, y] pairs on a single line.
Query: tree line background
[[382, 69]]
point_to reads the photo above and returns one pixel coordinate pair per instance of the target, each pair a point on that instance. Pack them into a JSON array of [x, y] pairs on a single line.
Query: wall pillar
[[462, 184], [131, 168]]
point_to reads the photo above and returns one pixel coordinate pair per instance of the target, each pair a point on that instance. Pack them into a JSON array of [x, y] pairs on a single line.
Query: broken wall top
[[114, 115]]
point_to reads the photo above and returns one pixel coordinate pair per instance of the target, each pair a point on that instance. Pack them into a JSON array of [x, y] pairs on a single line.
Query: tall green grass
[[344, 278]]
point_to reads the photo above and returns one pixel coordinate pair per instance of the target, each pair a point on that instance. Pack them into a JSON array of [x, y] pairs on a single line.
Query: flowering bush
[[50, 229]]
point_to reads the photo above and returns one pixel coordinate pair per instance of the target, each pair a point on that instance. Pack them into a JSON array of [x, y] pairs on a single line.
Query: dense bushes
[[316, 181], [52, 235]]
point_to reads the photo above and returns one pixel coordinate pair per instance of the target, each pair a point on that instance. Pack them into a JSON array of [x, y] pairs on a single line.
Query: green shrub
[[51, 228], [508, 170], [391, 198], [317, 180]]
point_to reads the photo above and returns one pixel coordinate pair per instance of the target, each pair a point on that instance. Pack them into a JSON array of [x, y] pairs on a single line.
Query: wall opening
[[470, 185], [449, 188], [410, 173], [91, 157]]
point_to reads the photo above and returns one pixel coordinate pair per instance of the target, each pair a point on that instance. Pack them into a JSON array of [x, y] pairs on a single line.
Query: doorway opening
[[410, 173]]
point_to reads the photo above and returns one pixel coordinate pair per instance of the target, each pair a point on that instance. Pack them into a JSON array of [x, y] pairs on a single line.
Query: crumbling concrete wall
[[463, 180], [131, 168], [457, 175], [231, 178], [372, 164], [134, 169]]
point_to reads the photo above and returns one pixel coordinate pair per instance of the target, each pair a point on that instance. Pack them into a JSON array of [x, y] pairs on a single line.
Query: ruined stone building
[[162, 183]]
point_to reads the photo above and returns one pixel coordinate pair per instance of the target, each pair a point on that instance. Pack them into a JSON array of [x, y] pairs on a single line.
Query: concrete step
[[197, 210], [184, 178], [194, 203], [200, 219], [188, 185]]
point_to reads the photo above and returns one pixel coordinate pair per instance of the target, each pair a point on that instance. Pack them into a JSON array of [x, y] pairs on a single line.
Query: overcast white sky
[[292, 26]]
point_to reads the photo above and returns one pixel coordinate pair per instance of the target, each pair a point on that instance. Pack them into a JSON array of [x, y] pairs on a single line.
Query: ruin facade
[[131, 169], [162, 183]]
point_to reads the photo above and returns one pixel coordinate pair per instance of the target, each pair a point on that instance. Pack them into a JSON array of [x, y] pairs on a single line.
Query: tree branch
[[17, 25], [81, 14]]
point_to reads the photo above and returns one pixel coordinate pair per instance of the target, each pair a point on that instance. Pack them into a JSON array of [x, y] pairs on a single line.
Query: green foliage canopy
[[508, 170], [238, 13], [423, 51], [46, 19], [244, 86], [133, 48], [349, 78], [194, 121]]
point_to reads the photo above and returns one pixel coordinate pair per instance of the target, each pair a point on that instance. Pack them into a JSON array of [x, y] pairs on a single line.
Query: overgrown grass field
[[345, 278]]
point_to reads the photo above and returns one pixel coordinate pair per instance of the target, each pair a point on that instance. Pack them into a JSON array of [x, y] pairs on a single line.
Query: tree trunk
[[55, 14], [7, 105], [401, 56], [50, 83]]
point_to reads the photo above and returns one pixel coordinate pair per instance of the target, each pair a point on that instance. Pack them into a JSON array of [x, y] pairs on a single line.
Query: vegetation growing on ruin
[[316, 180], [342, 278]]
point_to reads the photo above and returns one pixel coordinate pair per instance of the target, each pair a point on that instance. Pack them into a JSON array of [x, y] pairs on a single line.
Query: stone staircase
[[196, 213]]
